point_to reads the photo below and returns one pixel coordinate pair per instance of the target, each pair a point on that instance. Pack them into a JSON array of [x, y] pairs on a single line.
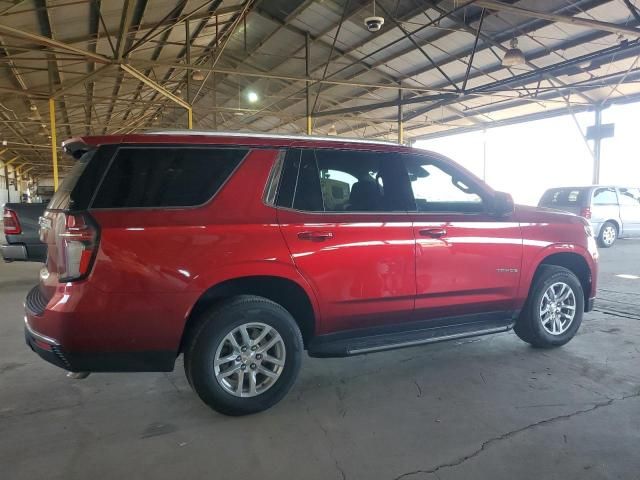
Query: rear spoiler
[[75, 147]]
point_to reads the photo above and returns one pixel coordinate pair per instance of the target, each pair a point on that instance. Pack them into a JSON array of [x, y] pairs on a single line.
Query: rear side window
[[605, 196], [343, 181], [564, 197], [165, 177]]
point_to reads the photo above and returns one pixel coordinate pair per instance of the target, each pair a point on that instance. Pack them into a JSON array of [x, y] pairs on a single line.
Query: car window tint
[[605, 196], [437, 188], [307, 195], [165, 177], [563, 196], [61, 199], [630, 196], [288, 178], [359, 181]]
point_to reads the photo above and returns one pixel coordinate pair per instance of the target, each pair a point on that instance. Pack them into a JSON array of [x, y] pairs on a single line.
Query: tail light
[[11, 223], [77, 245], [585, 212]]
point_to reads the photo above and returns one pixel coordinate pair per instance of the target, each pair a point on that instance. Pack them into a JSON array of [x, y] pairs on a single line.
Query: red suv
[[240, 251]]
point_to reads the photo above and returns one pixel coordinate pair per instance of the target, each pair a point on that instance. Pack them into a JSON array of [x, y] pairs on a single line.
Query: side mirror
[[502, 204]]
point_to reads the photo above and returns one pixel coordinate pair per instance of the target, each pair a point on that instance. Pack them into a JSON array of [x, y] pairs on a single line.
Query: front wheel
[[553, 312], [245, 356]]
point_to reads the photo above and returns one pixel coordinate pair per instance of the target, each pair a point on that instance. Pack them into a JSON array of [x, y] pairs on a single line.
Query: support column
[[6, 181], [400, 119], [306, 73], [596, 146], [188, 46], [54, 142]]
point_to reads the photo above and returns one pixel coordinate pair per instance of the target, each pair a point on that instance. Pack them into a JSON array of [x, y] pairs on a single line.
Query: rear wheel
[[608, 235], [245, 356], [553, 312]]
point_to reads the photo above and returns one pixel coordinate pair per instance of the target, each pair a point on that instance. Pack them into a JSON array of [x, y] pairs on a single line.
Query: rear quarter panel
[[156, 263]]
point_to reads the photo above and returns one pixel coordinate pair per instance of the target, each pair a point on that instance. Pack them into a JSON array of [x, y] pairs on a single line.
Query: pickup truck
[[21, 229]]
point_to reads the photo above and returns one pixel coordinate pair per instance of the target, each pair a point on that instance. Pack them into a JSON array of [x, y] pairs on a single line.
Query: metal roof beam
[[633, 9], [465, 24], [51, 43], [548, 98], [518, 29], [125, 23], [583, 22]]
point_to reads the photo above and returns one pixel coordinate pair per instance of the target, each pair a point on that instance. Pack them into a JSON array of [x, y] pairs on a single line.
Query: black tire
[[529, 326], [608, 235], [215, 324]]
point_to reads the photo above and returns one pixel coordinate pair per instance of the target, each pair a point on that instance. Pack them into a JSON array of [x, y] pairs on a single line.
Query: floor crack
[[331, 447], [418, 388], [486, 444]]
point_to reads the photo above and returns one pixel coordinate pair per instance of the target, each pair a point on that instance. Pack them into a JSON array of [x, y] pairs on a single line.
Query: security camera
[[374, 24]]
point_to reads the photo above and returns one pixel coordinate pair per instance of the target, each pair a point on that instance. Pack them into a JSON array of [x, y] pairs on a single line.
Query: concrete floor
[[483, 408]]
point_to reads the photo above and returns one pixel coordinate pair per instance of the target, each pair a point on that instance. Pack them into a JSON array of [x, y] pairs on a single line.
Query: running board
[[359, 342]]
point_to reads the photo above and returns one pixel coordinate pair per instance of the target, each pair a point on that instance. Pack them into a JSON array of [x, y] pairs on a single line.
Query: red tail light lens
[[77, 244], [11, 223], [585, 212]]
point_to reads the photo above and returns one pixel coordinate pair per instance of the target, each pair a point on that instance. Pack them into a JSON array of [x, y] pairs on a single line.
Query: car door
[[630, 211], [467, 260], [604, 207], [346, 224]]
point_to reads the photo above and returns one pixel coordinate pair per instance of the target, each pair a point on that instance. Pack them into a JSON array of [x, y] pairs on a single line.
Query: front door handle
[[315, 236], [433, 232]]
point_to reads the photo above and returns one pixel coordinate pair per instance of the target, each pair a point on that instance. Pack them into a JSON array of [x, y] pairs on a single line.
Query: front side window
[[165, 177], [605, 196], [630, 196], [437, 188], [345, 181]]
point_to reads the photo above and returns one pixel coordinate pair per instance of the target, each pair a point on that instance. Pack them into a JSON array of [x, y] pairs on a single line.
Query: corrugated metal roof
[[258, 45]]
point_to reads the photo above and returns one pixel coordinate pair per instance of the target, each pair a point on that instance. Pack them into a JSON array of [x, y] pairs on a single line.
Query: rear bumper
[[52, 352], [54, 349], [12, 253], [23, 252]]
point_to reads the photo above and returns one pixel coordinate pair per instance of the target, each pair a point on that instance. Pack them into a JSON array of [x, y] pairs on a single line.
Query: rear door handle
[[315, 236], [433, 232]]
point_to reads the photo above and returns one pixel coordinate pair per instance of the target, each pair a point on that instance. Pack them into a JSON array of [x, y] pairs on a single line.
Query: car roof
[[202, 137]]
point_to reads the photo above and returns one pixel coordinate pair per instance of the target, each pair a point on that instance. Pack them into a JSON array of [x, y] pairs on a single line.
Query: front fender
[[532, 261]]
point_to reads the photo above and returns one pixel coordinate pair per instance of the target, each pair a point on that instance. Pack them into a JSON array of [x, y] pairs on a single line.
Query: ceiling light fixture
[[252, 96], [332, 130], [514, 55], [197, 76]]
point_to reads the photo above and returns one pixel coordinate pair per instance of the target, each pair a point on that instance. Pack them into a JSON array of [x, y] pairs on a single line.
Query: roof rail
[[266, 135]]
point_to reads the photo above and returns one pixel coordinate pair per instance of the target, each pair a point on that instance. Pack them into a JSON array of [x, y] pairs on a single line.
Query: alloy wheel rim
[[557, 308], [249, 359], [609, 235]]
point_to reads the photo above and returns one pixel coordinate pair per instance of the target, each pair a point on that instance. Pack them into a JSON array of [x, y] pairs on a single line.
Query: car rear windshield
[[80, 182], [143, 177], [563, 197], [63, 197]]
